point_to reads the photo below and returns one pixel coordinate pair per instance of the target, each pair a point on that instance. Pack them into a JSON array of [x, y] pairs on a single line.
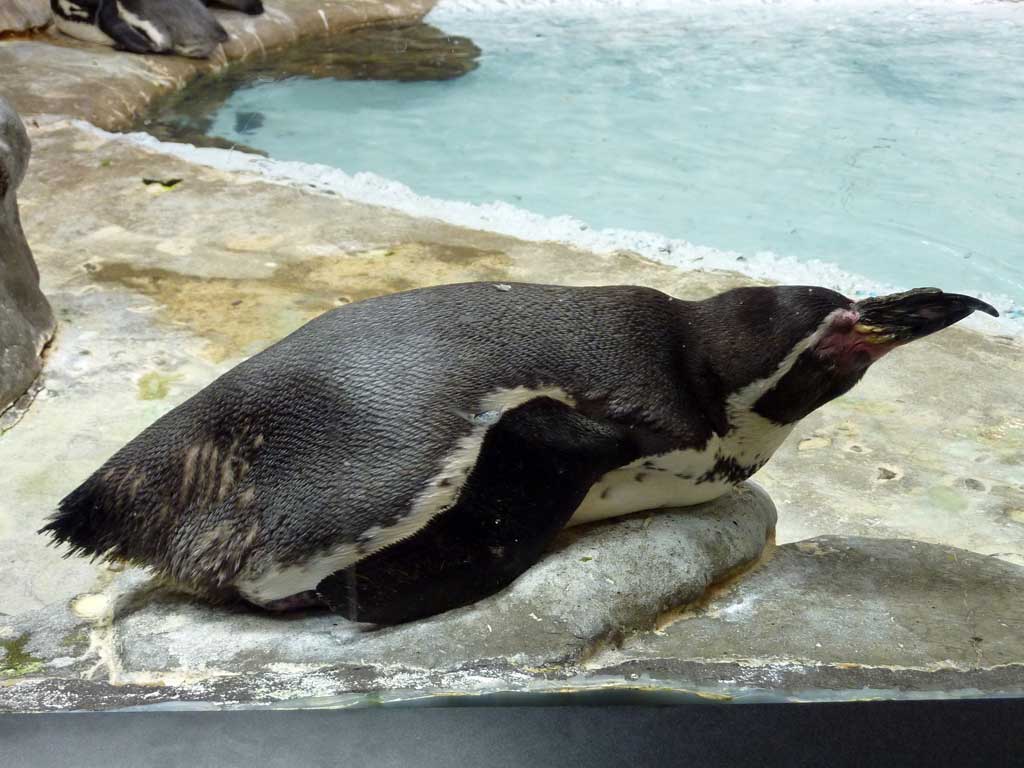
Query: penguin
[[184, 27], [412, 453]]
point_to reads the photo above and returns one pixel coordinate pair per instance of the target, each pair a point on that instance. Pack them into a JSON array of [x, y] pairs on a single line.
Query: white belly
[[620, 492], [81, 30], [677, 479]]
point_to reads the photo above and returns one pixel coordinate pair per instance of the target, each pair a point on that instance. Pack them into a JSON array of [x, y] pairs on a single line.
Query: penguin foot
[[297, 602]]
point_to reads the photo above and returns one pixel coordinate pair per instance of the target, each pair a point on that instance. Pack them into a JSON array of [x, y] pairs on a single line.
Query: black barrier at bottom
[[987, 732]]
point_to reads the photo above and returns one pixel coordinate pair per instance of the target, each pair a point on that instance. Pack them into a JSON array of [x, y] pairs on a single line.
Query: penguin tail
[[135, 510], [82, 523]]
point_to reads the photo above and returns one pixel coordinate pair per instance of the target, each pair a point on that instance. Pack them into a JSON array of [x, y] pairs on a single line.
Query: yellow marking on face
[[873, 334], [879, 338]]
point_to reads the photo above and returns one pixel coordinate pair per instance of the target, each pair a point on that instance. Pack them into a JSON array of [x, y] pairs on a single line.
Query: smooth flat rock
[[848, 613], [26, 321], [23, 15], [598, 585]]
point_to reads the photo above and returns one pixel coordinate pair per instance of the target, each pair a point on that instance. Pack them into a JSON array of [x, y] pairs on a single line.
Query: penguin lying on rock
[[408, 454], [184, 27]]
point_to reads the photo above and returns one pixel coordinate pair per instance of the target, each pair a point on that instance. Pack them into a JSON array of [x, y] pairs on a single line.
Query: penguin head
[[808, 345], [193, 29], [197, 33], [83, 11]]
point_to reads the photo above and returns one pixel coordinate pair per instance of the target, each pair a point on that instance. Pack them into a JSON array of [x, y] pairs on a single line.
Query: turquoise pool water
[[875, 144]]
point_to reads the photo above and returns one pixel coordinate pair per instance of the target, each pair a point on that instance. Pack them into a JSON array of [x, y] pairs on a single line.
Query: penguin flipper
[[125, 37], [535, 466]]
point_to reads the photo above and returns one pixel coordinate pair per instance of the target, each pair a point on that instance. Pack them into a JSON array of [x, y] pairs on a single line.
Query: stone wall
[[23, 15], [26, 321]]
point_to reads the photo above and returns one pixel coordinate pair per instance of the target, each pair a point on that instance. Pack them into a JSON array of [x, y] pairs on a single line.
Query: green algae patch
[[17, 662], [77, 640], [947, 499], [155, 385]]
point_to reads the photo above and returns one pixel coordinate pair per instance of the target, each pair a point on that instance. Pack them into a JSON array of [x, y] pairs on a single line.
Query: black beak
[[903, 317]]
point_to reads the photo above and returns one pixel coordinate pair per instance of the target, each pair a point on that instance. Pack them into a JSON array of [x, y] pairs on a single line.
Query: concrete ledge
[[54, 74]]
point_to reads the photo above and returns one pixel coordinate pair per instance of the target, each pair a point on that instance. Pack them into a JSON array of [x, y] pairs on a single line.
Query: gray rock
[[24, 15], [625, 604], [848, 613], [26, 321], [598, 585]]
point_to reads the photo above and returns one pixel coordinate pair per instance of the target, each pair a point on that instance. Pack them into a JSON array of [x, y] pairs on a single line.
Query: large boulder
[[674, 602], [135, 643], [23, 15], [26, 320]]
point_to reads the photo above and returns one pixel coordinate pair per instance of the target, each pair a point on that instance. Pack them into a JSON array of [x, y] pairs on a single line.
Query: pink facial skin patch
[[850, 343]]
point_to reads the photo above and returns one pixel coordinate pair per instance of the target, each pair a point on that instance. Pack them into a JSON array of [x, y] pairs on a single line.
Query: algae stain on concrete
[[77, 640], [18, 662], [240, 316], [947, 499], [155, 385]]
